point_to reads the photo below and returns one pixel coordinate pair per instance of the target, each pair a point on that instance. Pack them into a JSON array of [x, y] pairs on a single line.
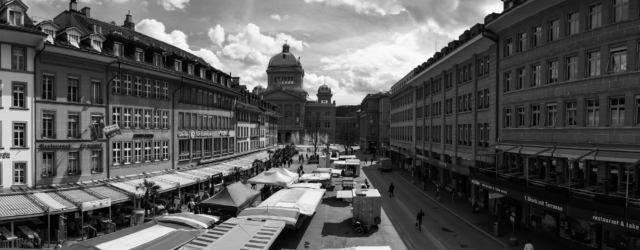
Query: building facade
[[568, 117], [372, 124], [302, 117], [256, 120], [19, 43], [384, 125]]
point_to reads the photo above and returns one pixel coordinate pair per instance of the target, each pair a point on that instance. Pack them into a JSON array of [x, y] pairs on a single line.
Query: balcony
[[48, 135], [74, 135]]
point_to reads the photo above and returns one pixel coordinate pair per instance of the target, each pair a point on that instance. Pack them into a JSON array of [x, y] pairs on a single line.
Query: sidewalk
[[482, 221]]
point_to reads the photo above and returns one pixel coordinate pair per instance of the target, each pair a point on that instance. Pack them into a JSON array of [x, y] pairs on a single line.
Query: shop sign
[[142, 136], [5, 155], [489, 187], [192, 134], [610, 220], [92, 205], [54, 146], [111, 131], [495, 195], [553, 206], [82, 145]]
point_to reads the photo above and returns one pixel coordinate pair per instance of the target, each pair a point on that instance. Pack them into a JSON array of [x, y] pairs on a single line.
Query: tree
[[316, 137], [347, 134], [150, 189]]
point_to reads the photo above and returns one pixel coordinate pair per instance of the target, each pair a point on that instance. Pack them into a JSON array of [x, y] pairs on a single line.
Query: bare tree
[[347, 134], [316, 137]]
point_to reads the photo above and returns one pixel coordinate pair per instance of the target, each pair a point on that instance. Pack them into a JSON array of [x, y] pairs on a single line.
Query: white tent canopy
[[305, 199], [315, 177], [306, 185], [285, 172], [272, 178]]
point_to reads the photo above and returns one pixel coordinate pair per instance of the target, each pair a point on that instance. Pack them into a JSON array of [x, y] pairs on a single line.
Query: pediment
[[281, 95]]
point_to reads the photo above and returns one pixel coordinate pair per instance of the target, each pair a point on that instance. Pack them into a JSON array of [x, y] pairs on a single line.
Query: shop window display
[[614, 239], [544, 221], [578, 230]]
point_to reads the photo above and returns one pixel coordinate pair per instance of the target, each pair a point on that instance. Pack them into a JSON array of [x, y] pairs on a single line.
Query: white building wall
[[10, 155]]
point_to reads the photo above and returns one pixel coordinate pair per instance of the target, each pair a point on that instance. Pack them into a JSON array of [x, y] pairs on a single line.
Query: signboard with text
[[192, 134], [548, 204], [92, 205], [111, 131]]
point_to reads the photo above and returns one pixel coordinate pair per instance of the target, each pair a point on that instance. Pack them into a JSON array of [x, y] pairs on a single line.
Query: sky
[[356, 47]]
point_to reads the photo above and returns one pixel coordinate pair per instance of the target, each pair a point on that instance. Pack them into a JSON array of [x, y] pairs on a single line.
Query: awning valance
[[569, 153], [622, 157]]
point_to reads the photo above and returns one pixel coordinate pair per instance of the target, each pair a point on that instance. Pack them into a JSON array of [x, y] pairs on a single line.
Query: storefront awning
[[115, 195], [183, 181], [506, 147], [17, 206], [622, 157], [53, 203], [128, 187], [86, 200], [570, 153], [531, 150]]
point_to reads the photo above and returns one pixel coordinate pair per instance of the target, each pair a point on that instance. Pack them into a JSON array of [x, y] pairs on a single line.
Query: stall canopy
[[272, 178], [194, 221], [288, 215], [305, 199], [285, 172], [315, 177], [306, 185], [151, 235], [361, 248], [234, 197], [238, 234]]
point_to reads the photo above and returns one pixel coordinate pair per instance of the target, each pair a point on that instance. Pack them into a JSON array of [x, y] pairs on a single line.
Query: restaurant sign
[[489, 187], [5, 155], [68, 146], [610, 220], [192, 134], [93, 205], [550, 205]]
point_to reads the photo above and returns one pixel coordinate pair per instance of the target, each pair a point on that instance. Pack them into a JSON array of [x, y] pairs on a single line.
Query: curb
[[504, 246]]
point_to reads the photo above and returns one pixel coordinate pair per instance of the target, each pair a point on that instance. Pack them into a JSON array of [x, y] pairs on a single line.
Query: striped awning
[[78, 196], [18, 205], [617, 156], [164, 184], [115, 195], [56, 203], [128, 187], [183, 181], [239, 234]]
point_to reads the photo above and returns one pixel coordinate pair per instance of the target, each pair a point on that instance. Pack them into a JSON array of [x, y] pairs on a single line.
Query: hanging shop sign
[[111, 131], [5, 156], [143, 136], [549, 205], [495, 195], [92, 205], [420, 157], [449, 166], [69, 146], [192, 134], [489, 187]]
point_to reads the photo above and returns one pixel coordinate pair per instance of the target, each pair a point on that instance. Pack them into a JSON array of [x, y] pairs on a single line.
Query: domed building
[[302, 116]]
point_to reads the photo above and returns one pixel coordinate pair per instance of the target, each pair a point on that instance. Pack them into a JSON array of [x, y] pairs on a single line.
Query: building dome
[[284, 59], [258, 89], [324, 89]]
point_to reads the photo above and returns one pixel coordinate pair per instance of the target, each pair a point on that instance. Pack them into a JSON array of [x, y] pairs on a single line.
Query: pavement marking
[[504, 246]]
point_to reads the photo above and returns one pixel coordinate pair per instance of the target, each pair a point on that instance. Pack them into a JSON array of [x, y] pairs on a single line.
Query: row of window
[[206, 98], [73, 163], [19, 173], [135, 152], [142, 118], [432, 133], [246, 132], [134, 86], [326, 113], [619, 12], [546, 114], [318, 124], [405, 99], [74, 129], [616, 62], [49, 89], [203, 122], [246, 146], [249, 117], [189, 149]]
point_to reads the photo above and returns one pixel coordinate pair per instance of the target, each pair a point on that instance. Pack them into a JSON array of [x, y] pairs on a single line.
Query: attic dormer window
[[157, 59], [202, 74], [190, 69], [117, 49], [15, 18], [97, 29], [139, 55], [74, 40], [177, 65], [97, 45]]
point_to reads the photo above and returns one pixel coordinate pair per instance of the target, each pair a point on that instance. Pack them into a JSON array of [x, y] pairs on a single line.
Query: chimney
[[86, 11], [73, 5], [128, 22]]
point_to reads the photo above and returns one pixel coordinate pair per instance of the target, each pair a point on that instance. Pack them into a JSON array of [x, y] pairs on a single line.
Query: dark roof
[[29, 29], [86, 23]]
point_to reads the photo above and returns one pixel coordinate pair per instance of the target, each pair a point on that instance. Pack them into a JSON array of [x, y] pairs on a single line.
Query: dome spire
[[285, 47]]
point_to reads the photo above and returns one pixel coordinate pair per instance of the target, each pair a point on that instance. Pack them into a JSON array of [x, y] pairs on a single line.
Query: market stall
[[322, 178], [305, 199], [272, 178], [289, 215], [233, 198], [238, 234]]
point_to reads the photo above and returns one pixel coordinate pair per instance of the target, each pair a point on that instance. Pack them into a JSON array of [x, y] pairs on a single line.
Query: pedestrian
[[453, 195], [473, 204], [59, 245], [529, 245], [391, 188], [437, 190], [191, 205], [419, 220]]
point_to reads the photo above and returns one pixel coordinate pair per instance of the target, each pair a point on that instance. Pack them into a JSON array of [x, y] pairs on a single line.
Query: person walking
[[391, 188], [453, 195], [437, 190], [473, 204], [529, 245], [191, 205], [419, 220]]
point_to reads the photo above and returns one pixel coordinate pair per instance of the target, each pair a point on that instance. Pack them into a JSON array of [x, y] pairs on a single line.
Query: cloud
[[173, 4], [382, 7], [216, 35], [157, 30], [278, 17], [255, 48]]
